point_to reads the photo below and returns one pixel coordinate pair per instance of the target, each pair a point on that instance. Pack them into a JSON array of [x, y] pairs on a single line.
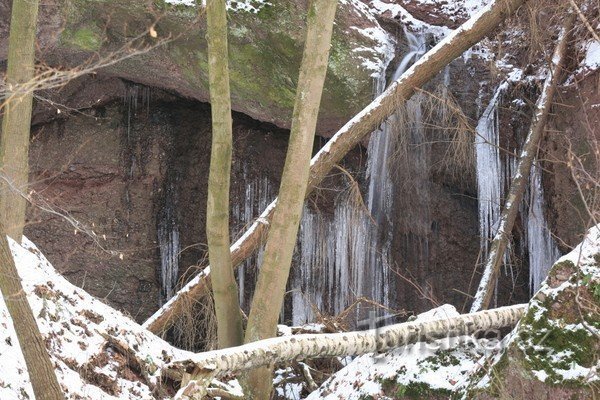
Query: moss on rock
[[555, 348], [86, 38], [265, 49]]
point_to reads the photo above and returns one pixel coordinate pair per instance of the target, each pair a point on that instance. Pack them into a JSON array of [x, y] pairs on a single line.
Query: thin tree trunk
[[348, 137], [225, 291], [302, 347], [14, 141], [40, 368], [279, 249], [519, 181]]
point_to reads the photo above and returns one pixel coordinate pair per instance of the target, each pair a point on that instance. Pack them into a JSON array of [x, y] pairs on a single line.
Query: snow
[[538, 343], [250, 6], [445, 364], [583, 255], [74, 325], [591, 61], [377, 56], [14, 382]]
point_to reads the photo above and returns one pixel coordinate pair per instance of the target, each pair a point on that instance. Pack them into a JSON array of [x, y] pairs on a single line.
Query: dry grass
[[196, 326], [447, 124]]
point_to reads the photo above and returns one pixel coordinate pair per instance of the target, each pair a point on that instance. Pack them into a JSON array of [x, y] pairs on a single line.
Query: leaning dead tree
[[460, 40], [521, 177], [301, 347]]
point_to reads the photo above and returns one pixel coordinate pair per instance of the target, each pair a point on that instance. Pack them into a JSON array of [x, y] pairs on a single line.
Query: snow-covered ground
[[440, 366], [76, 324]]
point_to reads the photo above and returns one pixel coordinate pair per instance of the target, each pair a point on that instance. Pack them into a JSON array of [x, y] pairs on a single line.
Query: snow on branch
[[302, 347]]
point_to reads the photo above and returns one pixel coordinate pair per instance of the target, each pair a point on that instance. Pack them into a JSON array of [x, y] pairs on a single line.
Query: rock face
[[118, 169], [136, 155], [123, 157], [266, 44], [574, 134]]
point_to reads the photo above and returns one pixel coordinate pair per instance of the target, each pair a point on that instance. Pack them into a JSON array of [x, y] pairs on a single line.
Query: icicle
[[490, 174], [348, 255], [492, 178], [543, 251], [257, 193], [169, 246]]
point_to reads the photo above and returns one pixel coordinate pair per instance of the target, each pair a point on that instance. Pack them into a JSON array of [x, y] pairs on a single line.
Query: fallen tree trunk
[[347, 138], [301, 347], [519, 181]]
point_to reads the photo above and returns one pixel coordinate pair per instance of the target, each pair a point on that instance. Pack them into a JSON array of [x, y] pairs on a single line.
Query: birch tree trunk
[[279, 249], [40, 367], [348, 137], [225, 291], [485, 290], [302, 347], [14, 141]]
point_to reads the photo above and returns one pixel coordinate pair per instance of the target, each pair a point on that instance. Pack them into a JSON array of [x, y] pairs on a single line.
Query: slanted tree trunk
[[14, 140], [348, 137], [225, 291], [303, 347], [521, 177], [279, 249], [41, 371]]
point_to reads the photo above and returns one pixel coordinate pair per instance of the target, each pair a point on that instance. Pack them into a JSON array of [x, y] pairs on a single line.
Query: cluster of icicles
[[494, 171], [346, 254]]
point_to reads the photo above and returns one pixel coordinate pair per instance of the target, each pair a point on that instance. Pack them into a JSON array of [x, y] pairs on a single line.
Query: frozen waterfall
[[494, 172], [347, 256]]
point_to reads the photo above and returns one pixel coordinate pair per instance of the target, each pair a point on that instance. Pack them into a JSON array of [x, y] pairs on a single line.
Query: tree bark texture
[[14, 140], [303, 347], [279, 249], [41, 370], [225, 291]]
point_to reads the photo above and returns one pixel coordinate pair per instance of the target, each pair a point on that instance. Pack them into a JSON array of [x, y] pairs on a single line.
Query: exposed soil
[[110, 170]]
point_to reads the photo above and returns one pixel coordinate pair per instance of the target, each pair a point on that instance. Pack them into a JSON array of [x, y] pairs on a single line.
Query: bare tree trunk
[[41, 370], [348, 137], [230, 331], [14, 141], [519, 181], [279, 249], [302, 347]]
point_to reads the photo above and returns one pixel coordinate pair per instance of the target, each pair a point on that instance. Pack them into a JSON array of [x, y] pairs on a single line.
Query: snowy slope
[[75, 323]]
